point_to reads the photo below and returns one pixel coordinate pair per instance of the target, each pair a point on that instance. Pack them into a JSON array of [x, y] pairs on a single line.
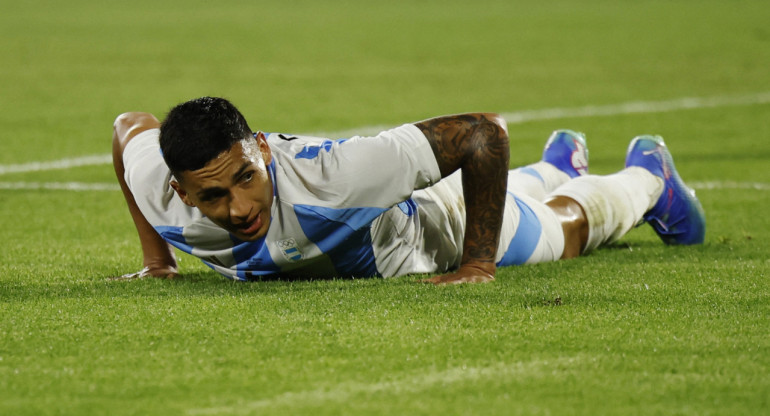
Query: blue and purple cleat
[[567, 151], [678, 216]]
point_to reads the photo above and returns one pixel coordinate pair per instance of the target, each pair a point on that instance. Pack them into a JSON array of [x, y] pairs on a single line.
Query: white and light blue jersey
[[360, 207]]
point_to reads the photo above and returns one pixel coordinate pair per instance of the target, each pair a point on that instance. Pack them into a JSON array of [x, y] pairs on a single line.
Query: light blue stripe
[[408, 207], [175, 237], [311, 152], [253, 259], [525, 240], [531, 172], [342, 235]]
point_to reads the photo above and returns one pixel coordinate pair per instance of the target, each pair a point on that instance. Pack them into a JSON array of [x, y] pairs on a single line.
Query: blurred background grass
[[70, 67]]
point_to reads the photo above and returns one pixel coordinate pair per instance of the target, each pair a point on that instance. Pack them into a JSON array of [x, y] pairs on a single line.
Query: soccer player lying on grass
[[253, 205]]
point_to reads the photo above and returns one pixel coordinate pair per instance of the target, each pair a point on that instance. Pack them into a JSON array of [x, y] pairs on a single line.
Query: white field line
[[638, 107], [61, 186], [757, 186], [57, 164], [633, 107], [343, 392], [111, 187]]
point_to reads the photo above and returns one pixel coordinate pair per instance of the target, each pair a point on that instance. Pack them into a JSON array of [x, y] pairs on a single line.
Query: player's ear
[[267, 154], [181, 192]]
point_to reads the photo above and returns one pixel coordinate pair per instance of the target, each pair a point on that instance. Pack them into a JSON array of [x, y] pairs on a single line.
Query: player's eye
[[212, 195], [247, 177]]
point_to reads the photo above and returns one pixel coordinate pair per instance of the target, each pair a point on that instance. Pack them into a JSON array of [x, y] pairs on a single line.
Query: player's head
[[219, 165], [198, 130]]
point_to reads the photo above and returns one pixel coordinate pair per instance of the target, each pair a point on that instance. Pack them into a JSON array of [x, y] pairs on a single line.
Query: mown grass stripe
[[423, 381]]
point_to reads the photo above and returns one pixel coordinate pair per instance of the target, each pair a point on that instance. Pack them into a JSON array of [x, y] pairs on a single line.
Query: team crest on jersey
[[290, 250]]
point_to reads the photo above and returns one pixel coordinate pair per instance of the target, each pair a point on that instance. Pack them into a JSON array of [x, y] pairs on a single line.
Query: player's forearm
[[477, 144], [484, 185], [157, 255]]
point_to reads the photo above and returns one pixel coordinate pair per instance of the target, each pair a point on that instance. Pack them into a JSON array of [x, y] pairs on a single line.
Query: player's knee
[[574, 224]]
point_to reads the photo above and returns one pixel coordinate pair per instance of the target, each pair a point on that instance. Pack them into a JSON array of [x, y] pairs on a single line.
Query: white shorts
[[531, 231], [432, 241]]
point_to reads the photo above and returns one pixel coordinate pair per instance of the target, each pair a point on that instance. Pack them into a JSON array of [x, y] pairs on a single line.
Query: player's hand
[[465, 274], [159, 272]]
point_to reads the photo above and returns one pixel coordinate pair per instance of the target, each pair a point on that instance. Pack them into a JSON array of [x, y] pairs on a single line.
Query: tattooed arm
[[477, 144]]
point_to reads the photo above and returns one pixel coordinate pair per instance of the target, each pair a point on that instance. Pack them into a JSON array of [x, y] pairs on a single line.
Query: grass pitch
[[637, 328]]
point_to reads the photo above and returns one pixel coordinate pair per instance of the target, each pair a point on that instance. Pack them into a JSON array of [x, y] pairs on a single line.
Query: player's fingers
[[458, 278], [136, 275], [442, 280]]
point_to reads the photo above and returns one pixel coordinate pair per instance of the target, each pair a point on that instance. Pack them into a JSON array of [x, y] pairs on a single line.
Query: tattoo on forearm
[[479, 147]]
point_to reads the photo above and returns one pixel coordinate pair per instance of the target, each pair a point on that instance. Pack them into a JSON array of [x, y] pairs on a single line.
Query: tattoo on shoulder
[[455, 137]]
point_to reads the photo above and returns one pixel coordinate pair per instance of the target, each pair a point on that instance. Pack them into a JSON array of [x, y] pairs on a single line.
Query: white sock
[[613, 204], [536, 180]]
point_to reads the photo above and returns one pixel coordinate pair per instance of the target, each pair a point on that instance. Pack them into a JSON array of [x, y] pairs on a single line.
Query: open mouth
[[251, 227]]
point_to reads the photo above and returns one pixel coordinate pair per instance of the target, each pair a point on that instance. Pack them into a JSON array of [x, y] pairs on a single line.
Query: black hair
[[197, 131]]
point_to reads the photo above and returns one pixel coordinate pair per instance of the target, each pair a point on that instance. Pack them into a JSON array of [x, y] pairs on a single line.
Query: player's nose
[[240, 207]]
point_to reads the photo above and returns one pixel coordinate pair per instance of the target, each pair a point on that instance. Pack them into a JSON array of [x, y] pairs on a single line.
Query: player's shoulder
[[301, 146], [287, 140]]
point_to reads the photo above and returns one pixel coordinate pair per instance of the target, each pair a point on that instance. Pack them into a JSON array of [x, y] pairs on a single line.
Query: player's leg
[[536, 232], [565, 156], [158, 255], [677, 216], [574, 224], [611, 206], [648, 189]]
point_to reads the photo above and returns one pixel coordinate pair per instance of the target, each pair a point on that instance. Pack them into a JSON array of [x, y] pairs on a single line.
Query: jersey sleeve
[[147, 176], [378, 171]]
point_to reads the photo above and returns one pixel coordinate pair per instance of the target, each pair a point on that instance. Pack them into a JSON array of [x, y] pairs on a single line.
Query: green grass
[[637, 328]]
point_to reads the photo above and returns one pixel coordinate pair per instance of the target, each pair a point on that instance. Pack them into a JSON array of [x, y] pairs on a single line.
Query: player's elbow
[[133, 120], [499, 121], [128, 125], [496, 129]]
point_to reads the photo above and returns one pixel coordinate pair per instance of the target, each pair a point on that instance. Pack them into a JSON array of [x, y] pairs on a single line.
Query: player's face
[[234, 190]]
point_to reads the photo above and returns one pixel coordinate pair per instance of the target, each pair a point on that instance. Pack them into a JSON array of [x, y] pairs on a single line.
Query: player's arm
[[158, 255], [478, 145]]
